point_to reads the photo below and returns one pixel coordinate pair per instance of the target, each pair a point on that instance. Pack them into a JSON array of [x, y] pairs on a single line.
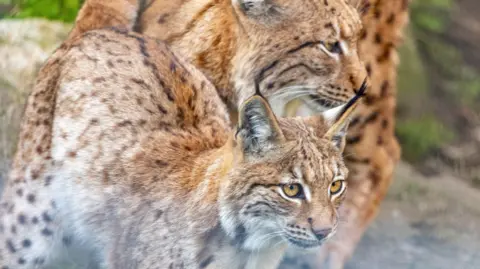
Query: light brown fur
[[282, 48], [372, 148], [126, 156]]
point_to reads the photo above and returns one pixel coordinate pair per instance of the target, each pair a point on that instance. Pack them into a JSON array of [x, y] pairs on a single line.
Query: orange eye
[[293, 190], [336, 187]]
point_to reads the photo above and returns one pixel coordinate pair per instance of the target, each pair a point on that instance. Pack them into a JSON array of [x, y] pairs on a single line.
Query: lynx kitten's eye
[[336, 187], [293, 190]]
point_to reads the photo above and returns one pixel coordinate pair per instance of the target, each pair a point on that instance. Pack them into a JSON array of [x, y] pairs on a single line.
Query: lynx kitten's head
[[287, 177]]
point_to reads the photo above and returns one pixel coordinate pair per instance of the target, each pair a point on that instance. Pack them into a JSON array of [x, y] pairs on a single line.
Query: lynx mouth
[[323, 102], [304, 244]]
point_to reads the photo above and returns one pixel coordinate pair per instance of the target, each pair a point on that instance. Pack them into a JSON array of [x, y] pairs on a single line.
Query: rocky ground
[[424, 222]]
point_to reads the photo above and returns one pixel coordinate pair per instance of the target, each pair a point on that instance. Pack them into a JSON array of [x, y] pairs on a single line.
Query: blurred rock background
[[428, 219]]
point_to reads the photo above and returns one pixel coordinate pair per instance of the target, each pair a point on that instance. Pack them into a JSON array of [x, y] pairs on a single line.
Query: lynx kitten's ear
[[338, 118], [258, 128], [255, 8]]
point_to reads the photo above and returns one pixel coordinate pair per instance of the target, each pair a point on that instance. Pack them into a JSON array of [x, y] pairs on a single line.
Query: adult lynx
[[126, 152]]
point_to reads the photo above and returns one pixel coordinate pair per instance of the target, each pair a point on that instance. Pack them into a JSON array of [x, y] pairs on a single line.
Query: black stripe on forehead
[[261, 75], [305, 45]]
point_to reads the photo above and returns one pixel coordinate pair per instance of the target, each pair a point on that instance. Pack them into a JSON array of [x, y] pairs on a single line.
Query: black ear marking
[[339, 117]]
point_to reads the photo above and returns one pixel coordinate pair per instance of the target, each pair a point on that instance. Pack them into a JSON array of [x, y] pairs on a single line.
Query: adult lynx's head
[[287, 178], [299, 48], [292, 48]]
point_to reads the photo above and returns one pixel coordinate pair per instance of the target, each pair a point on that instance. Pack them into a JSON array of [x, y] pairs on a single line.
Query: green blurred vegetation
[[432, 76], [61, 10], [421, 136]]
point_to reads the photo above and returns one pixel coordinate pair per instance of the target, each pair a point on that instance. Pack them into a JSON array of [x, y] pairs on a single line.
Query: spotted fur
[[224, 40], [127, 159]]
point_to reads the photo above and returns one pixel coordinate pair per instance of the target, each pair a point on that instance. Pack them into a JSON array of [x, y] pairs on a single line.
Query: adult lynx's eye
[[293, 190], [333, 47], [336, 187]]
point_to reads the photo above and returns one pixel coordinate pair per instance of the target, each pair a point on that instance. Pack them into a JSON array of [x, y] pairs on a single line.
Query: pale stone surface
[[24, 47]]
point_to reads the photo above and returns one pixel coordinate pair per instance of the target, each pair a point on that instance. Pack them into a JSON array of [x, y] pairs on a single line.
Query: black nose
[[321, 234]]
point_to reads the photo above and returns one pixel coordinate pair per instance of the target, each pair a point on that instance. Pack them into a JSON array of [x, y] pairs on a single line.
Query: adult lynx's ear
[[258, 128], [338, 118], [255, 8]]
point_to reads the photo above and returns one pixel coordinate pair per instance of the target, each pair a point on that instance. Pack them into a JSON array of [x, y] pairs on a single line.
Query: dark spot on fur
[[240, 235], [46, 232], [352, 159], [379, 140], [10, 246], [124, 123], [375, 177], [158, 214], [173, 67], [31, 198], [46, 217], [48, 180], [377, 13], [72, 154], [110, 64], [22, 219], [354, 122], [13, 229], [368, 67], [391, 18], [384, 123], [21, 261], [378, 38], [161, 109], [26, 243], [162, 18], [384, 88], [67, 241], [20, 192], [160, 163], [369, 99], [99, 80], [34, 220], [372, 117], [363, 34], [35, 174]]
